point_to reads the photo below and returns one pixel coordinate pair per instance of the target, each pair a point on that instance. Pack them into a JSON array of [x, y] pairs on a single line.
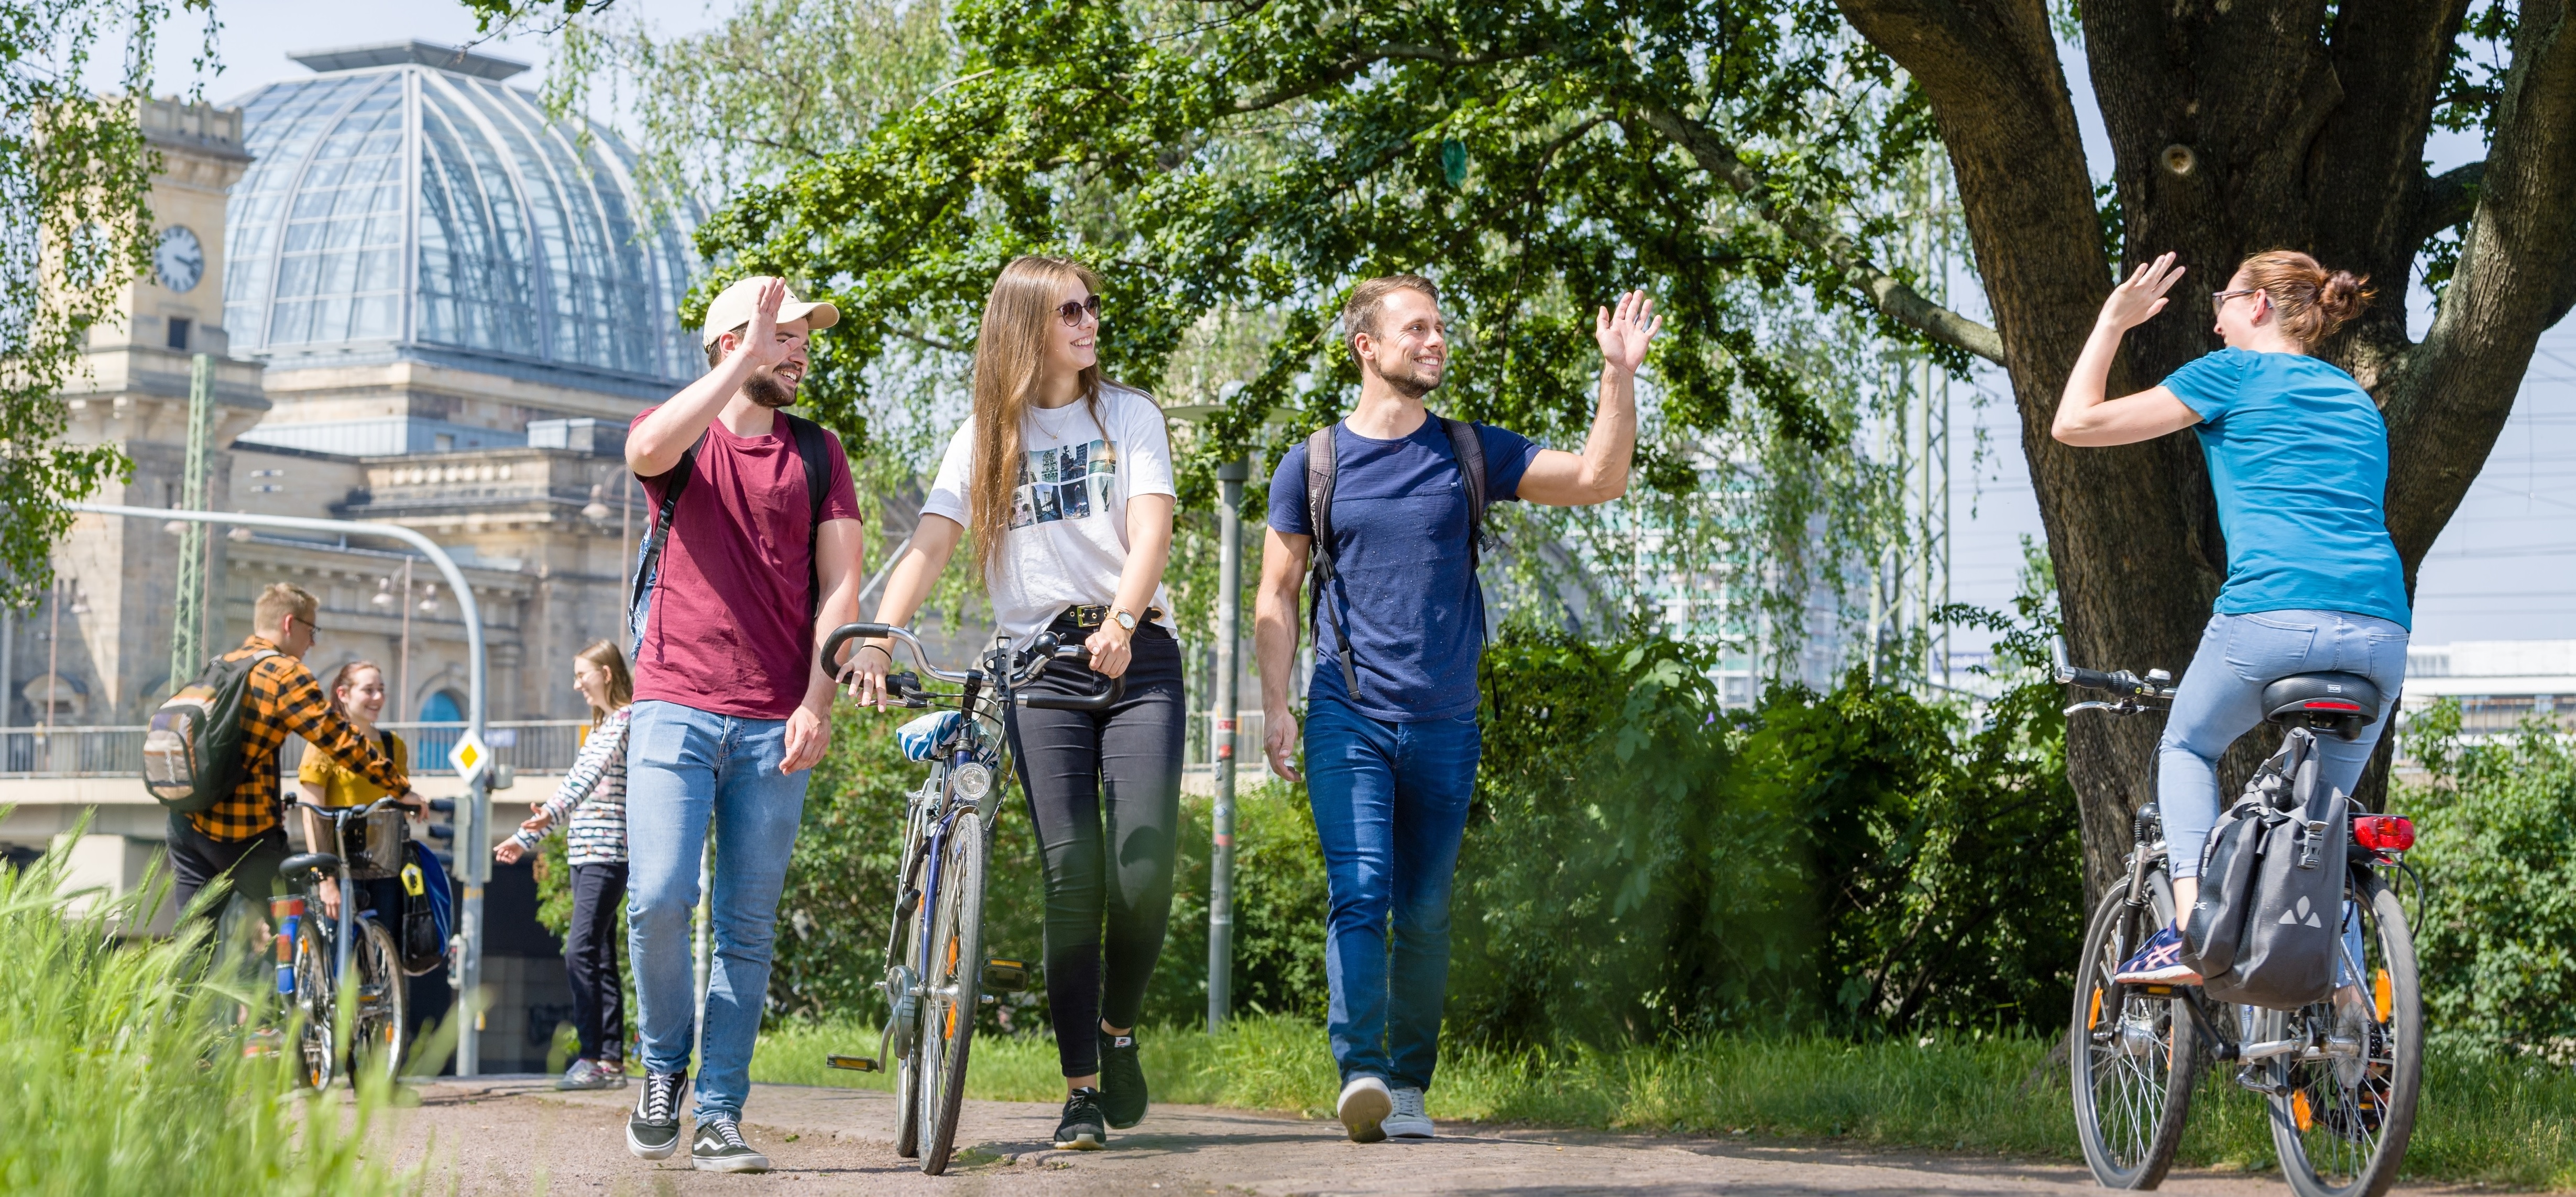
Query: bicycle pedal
[[852, 1063], [1005, 976]]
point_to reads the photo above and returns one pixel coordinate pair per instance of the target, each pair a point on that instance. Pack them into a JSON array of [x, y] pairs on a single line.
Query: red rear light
[[2383, 833], [2328, 704], [285, 908]]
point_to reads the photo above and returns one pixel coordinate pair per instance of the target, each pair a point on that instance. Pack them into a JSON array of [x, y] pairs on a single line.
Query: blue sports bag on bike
[[429, 917], [923, 738]]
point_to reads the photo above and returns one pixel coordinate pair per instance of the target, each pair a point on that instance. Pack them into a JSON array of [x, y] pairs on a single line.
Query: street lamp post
[[1229, 618]]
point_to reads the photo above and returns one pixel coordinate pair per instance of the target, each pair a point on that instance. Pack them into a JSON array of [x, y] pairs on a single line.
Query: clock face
[[179, 260]]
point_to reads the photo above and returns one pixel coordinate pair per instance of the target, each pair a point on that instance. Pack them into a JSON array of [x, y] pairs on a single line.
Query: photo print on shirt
[[1069, 482]]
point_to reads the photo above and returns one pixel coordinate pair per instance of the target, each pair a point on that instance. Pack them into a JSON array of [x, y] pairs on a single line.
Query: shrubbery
[[2496, 848]]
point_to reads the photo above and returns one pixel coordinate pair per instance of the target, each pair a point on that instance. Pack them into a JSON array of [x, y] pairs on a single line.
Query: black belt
[[1094, 615]]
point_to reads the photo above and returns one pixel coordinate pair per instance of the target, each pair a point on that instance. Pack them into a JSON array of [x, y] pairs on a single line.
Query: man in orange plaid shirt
[[240, 833]]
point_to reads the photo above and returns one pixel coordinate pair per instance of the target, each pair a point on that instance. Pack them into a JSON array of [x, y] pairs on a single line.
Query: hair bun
[[2342, 295]]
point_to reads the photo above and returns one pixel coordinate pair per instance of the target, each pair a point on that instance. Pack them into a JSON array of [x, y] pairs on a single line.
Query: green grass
[[2482, 1121], [124, 1073]]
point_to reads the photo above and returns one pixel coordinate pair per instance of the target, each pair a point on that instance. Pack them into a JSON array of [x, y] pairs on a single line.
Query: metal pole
[[474, 839], [188, 623], [402, 675], [1229, 619]]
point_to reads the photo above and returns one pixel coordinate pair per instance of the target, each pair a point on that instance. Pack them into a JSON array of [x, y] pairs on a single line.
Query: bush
[[2496, 848]]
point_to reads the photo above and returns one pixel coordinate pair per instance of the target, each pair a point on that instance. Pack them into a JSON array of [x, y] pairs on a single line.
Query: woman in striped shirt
[[591, 803]]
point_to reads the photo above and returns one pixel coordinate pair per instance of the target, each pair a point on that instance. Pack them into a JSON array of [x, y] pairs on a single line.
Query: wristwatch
[[1126, 619]]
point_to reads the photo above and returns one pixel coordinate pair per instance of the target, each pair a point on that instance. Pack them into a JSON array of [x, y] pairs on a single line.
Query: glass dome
[[406, 199]]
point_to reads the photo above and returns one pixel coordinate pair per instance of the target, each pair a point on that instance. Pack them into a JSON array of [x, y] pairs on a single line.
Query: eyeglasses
[[1072, 313], [2218, 299]]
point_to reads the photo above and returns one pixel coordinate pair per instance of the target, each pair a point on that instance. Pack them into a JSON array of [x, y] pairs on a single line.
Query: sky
[[2504, 569]]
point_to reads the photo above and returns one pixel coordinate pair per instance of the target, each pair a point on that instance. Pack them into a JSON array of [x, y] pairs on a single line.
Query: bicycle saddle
[[316, 863], [2342, 703]]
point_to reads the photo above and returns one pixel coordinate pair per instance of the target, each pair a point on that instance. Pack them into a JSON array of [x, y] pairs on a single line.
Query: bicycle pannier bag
[[2268, 923], [425, 919], [192, 750]]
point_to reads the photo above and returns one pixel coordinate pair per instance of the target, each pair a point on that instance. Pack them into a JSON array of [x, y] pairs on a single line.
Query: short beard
[[764, 388], [1406, 380]]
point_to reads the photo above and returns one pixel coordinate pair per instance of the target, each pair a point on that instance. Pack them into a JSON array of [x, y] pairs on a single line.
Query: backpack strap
[[814, 446], [648, 561], [1321, 462], [1469, 450]]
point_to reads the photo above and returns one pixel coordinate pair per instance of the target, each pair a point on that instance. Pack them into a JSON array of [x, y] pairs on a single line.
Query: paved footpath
[[516, 1135]]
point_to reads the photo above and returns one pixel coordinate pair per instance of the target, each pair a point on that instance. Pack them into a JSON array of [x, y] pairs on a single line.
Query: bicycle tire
[[376, 1025], [316, 1041], [951, 989], [2141, 1056], [2322, 1129]]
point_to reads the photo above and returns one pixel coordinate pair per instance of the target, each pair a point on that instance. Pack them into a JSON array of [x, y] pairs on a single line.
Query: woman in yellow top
[[358, 691]]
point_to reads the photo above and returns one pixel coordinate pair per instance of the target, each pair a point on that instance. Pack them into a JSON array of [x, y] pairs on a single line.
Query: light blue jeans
[[2221, 698], [688, 771]]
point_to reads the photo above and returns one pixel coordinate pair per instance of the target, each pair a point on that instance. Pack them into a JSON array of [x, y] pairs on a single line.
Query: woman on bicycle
[[591, 804], [2298, 458], [1065, 480], [357, 689]]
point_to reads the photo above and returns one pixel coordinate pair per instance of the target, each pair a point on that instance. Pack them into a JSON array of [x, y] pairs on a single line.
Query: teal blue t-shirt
[[2299, 457]]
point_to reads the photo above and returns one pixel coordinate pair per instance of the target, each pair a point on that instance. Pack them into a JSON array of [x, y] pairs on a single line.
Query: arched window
[[445, 706]]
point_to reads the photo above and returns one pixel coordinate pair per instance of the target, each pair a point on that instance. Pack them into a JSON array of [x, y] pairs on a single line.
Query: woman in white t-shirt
[[1066, 481]]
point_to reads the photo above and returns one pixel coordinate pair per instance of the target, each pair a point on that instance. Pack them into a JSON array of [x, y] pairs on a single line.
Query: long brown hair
[[621, 684], [1010, 355], [346, 677], [2312, 301]]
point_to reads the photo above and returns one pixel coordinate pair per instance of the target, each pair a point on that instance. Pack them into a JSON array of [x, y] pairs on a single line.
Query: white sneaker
[[1409, 1121], [1363, 1109]]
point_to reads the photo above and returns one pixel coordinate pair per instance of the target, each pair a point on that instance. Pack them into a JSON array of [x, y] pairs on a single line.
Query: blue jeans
[[685, 770], [1390, 804], [2221, 698]]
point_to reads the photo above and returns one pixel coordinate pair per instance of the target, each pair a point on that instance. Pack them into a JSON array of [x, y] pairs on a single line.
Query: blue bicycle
[[936, 974]]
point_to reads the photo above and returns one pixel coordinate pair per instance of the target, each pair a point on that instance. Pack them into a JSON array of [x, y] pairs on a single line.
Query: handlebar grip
[[2089, 679], [442, 806], [1101, 701], [843, 635]]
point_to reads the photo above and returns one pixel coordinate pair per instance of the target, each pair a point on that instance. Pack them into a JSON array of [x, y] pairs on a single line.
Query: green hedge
[[1639, 863]]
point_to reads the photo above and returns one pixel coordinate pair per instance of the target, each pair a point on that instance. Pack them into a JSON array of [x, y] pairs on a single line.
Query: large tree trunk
[[2236, 127]]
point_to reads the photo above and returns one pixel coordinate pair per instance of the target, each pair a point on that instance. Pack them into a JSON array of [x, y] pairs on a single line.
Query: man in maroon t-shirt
[[731, 710]]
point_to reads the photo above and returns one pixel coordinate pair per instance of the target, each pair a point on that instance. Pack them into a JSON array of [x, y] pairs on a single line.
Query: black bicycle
[[2341, 1077], [936, 974], [320, 962]]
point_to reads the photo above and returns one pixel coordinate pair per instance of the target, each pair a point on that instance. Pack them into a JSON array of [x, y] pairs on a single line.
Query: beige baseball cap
[[733, 309]]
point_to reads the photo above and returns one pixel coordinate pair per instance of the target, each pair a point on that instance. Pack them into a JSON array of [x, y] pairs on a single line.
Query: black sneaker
[[719, 1147], [653, 1130], [1081, 1129], [1122, 1081]]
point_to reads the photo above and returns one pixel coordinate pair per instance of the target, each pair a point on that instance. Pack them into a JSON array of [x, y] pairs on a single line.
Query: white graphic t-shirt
[[1068, 539]]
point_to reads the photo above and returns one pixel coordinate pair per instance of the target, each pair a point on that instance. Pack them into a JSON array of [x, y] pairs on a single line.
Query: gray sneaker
[[719, 1147], [653, 1129], [1407, 1120], [591, 1074]]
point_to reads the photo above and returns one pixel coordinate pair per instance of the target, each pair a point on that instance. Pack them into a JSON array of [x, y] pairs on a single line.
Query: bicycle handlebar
[[1041, 652], [1100, 700], [342, 814]]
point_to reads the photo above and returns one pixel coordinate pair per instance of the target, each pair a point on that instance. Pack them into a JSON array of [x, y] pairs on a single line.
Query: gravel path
[[516, 1135]]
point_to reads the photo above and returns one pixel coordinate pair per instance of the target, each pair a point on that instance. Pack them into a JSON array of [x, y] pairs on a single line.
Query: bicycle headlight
[[972, 781]]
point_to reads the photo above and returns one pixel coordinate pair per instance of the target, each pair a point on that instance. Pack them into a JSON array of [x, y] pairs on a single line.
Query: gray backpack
[[2267, 927]]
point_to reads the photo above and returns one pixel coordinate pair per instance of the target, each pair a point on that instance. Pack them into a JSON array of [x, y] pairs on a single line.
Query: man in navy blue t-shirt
[[1391, 760]]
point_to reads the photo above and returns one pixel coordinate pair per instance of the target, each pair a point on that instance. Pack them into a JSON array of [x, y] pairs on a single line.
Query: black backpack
[[813, 446], [192, 751], [1321, 462]]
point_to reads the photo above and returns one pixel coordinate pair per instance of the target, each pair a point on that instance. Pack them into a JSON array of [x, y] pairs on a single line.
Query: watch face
[[179, 261]]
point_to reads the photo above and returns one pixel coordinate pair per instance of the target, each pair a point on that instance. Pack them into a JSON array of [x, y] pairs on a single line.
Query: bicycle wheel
[[951, 988], [904, 1044], [376, 1020], [316, 1044], [2341, 1116], [2132, 1056]]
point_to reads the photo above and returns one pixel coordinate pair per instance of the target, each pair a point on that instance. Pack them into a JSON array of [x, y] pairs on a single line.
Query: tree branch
[[2450, 199], [1349, 68], [1889, 294]]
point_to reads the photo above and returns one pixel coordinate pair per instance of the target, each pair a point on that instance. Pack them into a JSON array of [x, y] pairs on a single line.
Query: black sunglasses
[[1072, 313]]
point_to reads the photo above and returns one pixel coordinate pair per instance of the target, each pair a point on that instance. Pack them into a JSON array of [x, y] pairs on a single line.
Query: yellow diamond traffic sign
[[470, 756]]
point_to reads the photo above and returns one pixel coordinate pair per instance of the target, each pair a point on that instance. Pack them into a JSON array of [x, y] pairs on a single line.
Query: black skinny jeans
[[1104, 791], [590, 960]]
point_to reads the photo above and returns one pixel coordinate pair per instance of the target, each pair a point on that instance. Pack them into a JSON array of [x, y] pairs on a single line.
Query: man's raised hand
[[760, 339], [1625, 331]]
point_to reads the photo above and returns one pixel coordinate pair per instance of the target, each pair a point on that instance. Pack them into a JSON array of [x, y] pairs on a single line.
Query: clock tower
[[120, 576]]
